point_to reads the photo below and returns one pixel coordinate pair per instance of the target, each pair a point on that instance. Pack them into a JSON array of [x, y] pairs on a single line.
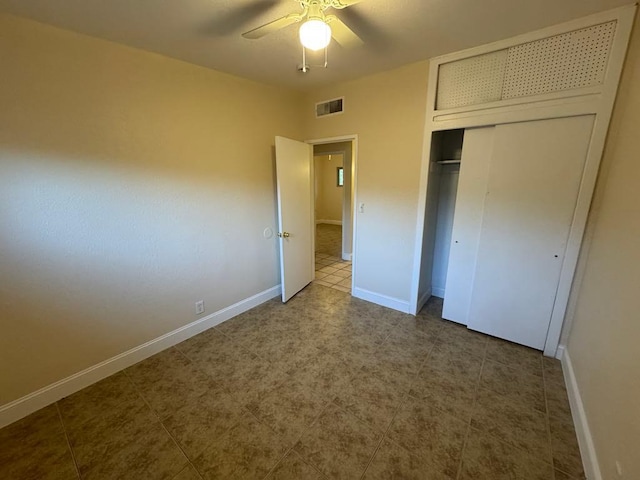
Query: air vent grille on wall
[[330, 107], [568, 61]]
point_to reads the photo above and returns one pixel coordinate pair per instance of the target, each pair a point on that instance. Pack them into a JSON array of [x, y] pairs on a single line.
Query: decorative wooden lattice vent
[[569, 61]]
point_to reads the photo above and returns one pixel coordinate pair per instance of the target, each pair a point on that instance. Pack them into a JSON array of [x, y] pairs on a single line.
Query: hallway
[[331, 270]]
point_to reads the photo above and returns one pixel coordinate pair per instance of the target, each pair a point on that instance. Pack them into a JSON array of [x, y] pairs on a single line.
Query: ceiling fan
[[318, 28]]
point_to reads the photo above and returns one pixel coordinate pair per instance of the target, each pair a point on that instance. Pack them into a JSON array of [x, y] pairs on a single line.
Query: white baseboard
[[32, 402], [329, 222], [347, 257], [585, 440], [437, 292], [423, 299], [385, 301]]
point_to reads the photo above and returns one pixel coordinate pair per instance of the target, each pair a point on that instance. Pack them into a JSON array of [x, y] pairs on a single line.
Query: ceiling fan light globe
[[315, 34]]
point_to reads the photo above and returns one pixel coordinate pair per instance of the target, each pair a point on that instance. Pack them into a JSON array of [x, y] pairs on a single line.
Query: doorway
[[333, 196]]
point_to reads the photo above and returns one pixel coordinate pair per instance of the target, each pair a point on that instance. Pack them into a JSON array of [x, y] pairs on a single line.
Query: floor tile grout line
[[161, 423], [184, 355], [189, 462], [303, 431], [375, 451], [547, 419], [135, 389], [495, 437], [66, 436], [239, 348], [303, 460], [403, 402], [473, 408], [384, 434], [519, 448], [117, 404], [193, 468], [278, 462]]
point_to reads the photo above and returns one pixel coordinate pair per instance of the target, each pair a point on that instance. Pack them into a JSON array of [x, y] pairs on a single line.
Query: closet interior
[[444, 176]]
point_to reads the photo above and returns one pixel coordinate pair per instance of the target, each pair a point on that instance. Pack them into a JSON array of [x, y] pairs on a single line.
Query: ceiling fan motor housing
[[317, 28]]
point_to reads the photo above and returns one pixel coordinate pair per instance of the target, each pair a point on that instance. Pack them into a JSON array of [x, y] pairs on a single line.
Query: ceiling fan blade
[[343, 34], [367, 29], [343, 3], [274, 26], [236, 17]]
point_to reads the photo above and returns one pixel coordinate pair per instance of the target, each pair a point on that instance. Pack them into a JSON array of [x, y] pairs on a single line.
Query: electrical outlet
[[199, 307]]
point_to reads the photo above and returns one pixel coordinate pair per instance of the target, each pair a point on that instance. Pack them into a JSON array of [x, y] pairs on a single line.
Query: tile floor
[[326, 386], [329, 239], [331, 270]]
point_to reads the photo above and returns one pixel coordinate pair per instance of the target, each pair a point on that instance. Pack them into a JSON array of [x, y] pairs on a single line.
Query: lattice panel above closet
[[471, 81], [564, 62], [569, 61]]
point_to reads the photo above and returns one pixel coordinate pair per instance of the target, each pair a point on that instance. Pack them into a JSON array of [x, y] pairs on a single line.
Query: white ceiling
[[208, 32]]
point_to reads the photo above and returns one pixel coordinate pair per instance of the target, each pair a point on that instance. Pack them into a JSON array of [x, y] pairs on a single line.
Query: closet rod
[[448, 162]]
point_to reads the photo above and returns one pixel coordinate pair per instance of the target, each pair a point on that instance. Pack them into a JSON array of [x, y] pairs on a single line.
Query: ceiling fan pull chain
[[304, 60]]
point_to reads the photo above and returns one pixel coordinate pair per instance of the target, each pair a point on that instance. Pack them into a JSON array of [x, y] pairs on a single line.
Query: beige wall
[[387, 112], [328, 194], [131, 185], [605, 336]]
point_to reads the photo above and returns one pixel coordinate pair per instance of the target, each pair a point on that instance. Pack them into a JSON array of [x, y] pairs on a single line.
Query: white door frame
[[354, 191], [342, 207]]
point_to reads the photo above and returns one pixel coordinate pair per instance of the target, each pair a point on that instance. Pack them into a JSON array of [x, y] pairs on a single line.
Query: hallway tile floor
[[325, 386], [333, 272], [329, 239]]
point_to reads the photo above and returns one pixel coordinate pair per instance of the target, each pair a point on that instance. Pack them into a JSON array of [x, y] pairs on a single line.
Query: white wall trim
[[437, 292], [329, 222], [423, 299], [384, 300], [338, 139], [583, 432], [32, 402], [347, 256]]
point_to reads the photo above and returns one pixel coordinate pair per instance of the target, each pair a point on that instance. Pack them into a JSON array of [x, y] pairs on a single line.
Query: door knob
[[284, 235]]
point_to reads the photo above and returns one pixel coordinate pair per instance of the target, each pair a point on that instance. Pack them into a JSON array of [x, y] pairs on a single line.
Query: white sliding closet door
[[467, 220], [535, 173]]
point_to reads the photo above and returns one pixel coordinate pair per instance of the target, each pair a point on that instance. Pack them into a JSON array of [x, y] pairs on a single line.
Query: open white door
[[294, 161]]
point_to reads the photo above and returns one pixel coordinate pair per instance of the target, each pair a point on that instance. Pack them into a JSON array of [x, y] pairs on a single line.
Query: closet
[[444, 178], [514, 135], [515, 201]]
